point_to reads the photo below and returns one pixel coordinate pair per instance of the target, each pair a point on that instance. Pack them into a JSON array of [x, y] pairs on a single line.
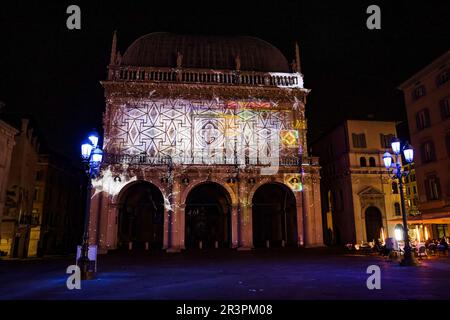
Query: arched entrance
[[274, 216], [208, 216], [373, 223], [141, 216]]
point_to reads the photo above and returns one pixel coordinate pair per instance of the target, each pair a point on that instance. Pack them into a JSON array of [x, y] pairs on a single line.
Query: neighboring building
[[358, 196], [7, 142], [205, 144], [18, 222], [410, 190], [427, 100], [58, 202]]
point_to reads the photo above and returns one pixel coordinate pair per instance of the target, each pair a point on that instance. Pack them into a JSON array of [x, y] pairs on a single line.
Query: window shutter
[[427, 188], [418, 121], [438, 187]]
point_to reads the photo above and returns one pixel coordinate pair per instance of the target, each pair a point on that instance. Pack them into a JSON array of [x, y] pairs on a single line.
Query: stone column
[[312, 213], [299, 213], [246, 227], [234, 226], [173, 222]]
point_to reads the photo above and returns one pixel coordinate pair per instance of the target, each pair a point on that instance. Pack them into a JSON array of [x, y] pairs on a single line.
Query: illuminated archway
[[208, 216], [141, 216], [274, 216]]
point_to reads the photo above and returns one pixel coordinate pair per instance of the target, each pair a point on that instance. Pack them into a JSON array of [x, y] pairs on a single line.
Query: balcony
[[144, 159], [205, 76]]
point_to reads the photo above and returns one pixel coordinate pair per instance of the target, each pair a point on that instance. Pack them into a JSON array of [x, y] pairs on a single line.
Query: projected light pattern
[[207, 129]]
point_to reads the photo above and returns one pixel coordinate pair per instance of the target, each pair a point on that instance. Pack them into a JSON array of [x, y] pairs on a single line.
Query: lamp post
[[398, 173], [91, 156]]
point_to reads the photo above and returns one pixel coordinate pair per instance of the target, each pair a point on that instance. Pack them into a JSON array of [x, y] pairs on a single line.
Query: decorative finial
[[179, 59], [237, 60], [297, 58], [113, 48]]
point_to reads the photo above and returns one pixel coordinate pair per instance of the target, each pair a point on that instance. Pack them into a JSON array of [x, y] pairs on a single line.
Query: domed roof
[[160, 49]]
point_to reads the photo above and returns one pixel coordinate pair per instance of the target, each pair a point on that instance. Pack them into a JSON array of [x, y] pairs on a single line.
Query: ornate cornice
[[117, 90]]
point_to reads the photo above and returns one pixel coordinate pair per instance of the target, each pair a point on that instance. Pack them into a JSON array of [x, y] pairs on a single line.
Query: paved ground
[[226, 274]]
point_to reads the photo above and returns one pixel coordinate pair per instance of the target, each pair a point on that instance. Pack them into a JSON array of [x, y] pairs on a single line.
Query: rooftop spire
[[297, 57], [113, 49]]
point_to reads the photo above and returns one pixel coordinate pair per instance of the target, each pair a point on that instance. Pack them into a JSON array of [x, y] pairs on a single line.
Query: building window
[[39, 175], [385, 140], [359, 140], [447, 142], [372, 162], [397, 209], [439, 231], [428, 153], [412, 177], [442, 77], [394, 188], [362, 162], [414, 190], [419, 92], [445, 108], [408, 191], [36, 194], [432, 187], [423, 119]]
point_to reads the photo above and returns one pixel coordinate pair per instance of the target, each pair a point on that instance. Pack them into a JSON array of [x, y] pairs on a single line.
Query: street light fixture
[[92, 157], [398, 173]]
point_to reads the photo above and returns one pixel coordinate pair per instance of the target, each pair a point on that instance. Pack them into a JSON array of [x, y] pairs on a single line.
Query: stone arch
[[140, 215], [208, 212], [274, 220], [196, 183]]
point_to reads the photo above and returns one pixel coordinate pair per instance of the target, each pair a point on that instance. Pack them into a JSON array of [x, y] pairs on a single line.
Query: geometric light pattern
[[198, 128], [289, 138]]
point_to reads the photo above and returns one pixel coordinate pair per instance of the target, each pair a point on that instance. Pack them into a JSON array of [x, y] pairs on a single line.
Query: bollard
[[146, 246], [200, 245], [267, 244], [217, 244], [130, 245]]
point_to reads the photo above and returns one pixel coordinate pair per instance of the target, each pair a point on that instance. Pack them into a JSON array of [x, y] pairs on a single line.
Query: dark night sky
[[53, 74]]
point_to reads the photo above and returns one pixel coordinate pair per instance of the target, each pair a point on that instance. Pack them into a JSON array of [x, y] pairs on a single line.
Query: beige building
[[205, 146], [358, 196], [18, 223], [7, 142], [427, 101]]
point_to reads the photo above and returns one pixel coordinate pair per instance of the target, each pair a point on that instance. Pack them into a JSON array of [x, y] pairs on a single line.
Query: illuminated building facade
[[358, 196], [205, 146], [7, 143], [427, 101], [18, 222]]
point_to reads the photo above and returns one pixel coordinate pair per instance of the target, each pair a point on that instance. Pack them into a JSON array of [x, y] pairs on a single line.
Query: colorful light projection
[[248, 105], [197, 130], [289, 138], [293, 181]]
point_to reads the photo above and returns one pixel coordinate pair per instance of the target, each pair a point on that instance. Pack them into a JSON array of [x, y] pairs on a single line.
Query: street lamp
[[397, 173], [92, 156]]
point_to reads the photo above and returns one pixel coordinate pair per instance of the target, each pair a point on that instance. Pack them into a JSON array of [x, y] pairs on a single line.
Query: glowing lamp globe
[[395, 145], [408, 152], [86, 148], [398, 233], [97, 155], [93, 137], [387, 159]]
